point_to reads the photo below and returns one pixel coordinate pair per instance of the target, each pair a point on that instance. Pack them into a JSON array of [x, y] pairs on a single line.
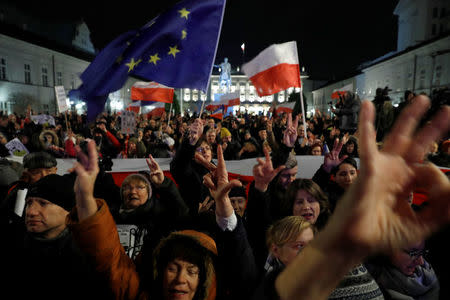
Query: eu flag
[[177, 49]]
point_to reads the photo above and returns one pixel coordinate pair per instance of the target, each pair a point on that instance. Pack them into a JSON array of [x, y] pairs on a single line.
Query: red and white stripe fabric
[[135, 106], [218, 114], [341, 91], [151, 91], [285, 107], [226, 100], [275, 69], [156, 109], [231, 99]]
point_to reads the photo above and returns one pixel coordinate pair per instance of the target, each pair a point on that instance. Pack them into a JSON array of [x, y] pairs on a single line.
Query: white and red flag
[[341, 91], [285, 108], [275, 69], [135, 106], [151, 91], [226, 100], [230, 99], [218, 113]]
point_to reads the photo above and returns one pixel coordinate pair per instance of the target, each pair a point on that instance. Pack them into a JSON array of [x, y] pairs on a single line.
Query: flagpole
[[170, 112], [301, 102], [201, 110], [67, 123]]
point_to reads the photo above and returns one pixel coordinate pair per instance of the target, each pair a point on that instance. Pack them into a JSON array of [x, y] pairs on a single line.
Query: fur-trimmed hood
[[43, 141]]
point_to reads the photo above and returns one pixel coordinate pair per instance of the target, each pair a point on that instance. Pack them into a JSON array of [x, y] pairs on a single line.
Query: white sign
[[128, 124], [61, 98], [43, 119], [20, 202], [16, 147]]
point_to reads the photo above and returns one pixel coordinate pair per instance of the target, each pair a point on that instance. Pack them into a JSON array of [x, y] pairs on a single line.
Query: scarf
[[423, 284]]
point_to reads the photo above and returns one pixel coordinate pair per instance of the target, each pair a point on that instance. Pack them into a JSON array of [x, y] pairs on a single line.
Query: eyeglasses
[[415, 254], [139, 188], [203, 149]]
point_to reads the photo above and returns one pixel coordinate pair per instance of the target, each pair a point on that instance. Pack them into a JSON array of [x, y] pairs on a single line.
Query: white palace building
[[36, 56]]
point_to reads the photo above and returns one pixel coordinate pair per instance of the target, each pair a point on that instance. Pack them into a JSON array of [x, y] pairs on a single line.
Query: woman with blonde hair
[[285, 238]]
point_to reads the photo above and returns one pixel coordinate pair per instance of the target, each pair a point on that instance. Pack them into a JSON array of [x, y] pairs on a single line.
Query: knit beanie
[[7, 175], [224, 132], [136, 177], [56, 189], [357, 284], [36, 160], [237, 191], [289, 162]]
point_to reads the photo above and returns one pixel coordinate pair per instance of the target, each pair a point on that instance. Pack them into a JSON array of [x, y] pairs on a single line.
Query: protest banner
[[43, 119], [61, 98], [128, 119], [16, 148]]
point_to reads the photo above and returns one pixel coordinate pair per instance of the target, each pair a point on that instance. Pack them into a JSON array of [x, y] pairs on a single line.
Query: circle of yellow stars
[[132, 64]]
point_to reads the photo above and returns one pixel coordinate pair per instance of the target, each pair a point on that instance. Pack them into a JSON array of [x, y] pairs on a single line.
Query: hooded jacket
[[98, 238]]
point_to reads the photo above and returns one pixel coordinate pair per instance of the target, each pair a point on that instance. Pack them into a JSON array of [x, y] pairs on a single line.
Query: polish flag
[[156, 109], [285, 108], [341, 91], [151, 91], [218, 114], [275, 69], [230, 99], [226, 100], [135, 106]]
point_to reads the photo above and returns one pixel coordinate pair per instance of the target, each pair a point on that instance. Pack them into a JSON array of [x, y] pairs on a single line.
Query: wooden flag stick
[[67, 123]]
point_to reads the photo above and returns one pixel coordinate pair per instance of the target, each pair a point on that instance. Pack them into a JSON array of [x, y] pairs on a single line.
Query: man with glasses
[[406, 274]]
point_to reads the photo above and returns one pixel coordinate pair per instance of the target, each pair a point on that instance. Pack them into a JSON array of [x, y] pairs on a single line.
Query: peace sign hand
[[264, 173], [156, 174], [332, 158], [290, 134], [219, 186], [86, 169]]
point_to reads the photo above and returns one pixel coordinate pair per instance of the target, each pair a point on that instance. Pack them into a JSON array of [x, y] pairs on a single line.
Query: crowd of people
[[349, 232]]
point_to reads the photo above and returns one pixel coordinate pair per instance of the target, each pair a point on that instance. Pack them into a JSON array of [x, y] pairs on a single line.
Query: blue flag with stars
[[177, 49]]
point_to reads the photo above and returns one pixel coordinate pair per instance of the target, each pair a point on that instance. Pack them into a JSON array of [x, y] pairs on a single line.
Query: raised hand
[[269, 125], [200, 159], [345, 138], [195, 131], [382, 220], [156, 174], [373, 216], [290, 134], [205, 205], [87, 170], [264, 173], [219, 186], [332, 158]]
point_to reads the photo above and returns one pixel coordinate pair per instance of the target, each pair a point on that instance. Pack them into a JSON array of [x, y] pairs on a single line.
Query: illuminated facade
[[239, 82]]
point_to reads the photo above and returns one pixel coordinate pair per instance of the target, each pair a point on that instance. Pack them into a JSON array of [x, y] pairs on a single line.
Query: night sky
[[333, 37]]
